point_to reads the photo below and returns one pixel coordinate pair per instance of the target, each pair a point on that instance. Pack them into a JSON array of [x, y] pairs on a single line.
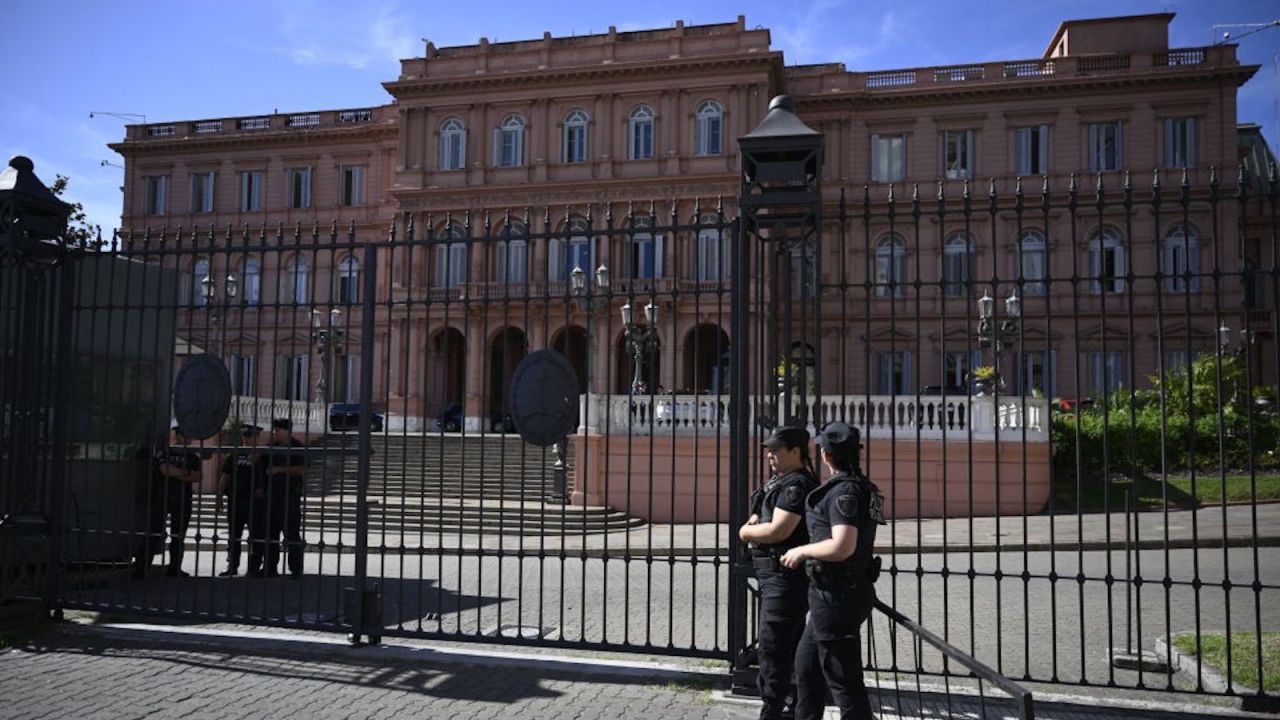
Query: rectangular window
[[293, 377], [250, 191], [1031, 150], [958, 154], [888, 158], [1105, 148], [1177, 361], [352, 186], [641, 139], [956, 370], [713, 255], [300, 188], [1037, 373], [893, 373], [346, 379], [646, 256], [708, 135], [244, 374], [202, 193], [510, 147], [804, 271], [1180, 142], [575, 143], [1106, 372], [154, 186], [451, 264]]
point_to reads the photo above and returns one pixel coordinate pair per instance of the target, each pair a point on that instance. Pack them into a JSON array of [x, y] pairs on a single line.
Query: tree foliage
[[79, 231]]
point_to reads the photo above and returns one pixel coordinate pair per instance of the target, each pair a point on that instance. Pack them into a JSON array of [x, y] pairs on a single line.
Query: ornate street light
[[999, 338], [584, 299], [642, 339], [328, 340]]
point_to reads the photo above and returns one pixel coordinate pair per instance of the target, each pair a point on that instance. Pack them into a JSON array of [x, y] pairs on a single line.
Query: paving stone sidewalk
[[121, 673]]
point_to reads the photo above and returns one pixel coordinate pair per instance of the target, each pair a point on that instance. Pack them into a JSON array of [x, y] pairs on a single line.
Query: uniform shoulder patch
[[847, 505], [795, 495]]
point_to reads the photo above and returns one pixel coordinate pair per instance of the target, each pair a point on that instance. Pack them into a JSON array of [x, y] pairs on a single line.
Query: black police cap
[[250, 431], [787, 436], [839, 438]]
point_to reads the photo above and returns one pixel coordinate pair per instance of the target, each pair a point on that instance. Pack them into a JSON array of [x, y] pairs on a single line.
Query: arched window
[[644, 253], [347, 288], [713, 249], [294, 281], [199, 271], [575, 137], [1107, 261], [959, 265], [252, 285], [640, 133], [1032, 262], [509, 142], [706, 128], [512, 253], [1182, 259], [891, 267], [453, 145], [572, 250], [451, 257]]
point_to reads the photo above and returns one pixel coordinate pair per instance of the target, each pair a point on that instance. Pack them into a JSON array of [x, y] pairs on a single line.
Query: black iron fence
[[1076, 468]]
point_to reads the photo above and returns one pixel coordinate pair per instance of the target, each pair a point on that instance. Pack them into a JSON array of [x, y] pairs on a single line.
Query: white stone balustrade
[[877, 416]]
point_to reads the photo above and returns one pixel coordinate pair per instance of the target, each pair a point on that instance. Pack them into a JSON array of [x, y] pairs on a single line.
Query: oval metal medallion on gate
[[202, 396], [544, 398]]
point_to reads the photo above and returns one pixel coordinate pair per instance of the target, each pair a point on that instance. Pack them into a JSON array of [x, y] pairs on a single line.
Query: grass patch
[[1151, 490], [1244, 656]]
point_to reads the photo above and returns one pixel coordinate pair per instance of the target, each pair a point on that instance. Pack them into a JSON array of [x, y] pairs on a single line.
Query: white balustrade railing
[[305, 416], [878, 416]]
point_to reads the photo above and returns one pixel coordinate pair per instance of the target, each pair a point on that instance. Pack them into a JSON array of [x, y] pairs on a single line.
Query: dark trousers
[[171, 502], [266, 520], [238, 514], [829, 656], [293, 527], [783, 603]]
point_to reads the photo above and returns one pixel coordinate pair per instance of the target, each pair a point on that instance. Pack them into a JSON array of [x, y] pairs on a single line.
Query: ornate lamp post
[[641, 339], [217, 311], [328, 340], [584, 299], [999, 338]]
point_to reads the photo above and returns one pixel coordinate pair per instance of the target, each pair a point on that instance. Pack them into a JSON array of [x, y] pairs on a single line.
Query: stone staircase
[[473, 484]]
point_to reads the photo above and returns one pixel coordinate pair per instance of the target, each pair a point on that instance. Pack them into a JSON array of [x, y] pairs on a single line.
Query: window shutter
[[1170, 143], [497, 147], [1043, 149], [160, 188], [970, 157], [1191, 142], [657, 255], [1022, 151], [306, 187], [1119, 159], [875, 157], [1095, 149]]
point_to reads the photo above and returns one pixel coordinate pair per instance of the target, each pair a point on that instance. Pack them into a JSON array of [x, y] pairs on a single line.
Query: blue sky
[[189, 59]]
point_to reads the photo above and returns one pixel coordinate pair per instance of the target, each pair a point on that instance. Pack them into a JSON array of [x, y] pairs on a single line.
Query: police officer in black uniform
[[285, 469], [775, 526], [236, 484], [842, 517], [171, 482]]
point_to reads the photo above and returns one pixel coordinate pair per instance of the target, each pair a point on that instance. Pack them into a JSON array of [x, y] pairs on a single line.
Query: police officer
[[285, 469], [171, 488], [842, 517], [236, 485], [775, 526]]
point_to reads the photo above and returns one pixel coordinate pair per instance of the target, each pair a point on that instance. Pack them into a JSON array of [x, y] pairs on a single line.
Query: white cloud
[[355, 35]]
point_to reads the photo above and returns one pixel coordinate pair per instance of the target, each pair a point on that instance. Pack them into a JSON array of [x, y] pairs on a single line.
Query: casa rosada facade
[[555, 139]]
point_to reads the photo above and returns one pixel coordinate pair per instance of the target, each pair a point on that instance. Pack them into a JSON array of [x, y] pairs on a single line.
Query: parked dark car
[[451, 418], [344, 417]]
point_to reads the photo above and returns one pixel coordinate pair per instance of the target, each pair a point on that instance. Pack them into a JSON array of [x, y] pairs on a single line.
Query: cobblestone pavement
[[129, 672]]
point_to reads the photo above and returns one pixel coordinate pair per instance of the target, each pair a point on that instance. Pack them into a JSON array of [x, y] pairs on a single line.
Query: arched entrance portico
[[447, 374], [505, 352], [706, 360], [572, 342]]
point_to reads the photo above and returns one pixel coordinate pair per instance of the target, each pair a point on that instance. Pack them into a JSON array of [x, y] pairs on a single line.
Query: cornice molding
[[281, 138]]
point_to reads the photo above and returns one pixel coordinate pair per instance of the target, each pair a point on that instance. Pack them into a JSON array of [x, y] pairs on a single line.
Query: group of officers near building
[[811, 544], [259, 486]]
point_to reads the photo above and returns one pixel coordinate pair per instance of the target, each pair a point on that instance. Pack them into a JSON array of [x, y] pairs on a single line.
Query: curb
[[1247, 698], [311, 646]]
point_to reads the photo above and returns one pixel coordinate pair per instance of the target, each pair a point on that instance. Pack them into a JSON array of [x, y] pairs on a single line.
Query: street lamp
[[217, 311], [328, 340], [642, 339], [583, 299], [1002, 337]]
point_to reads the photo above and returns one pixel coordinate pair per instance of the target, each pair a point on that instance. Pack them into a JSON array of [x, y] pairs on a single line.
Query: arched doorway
[[505, 352], [447, 382], [572, 343], [706, 360], [650, 368]]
